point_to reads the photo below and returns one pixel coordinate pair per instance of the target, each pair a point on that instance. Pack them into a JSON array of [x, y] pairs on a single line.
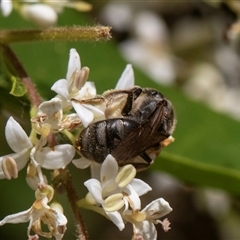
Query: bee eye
[[156, 94], [164, 103]]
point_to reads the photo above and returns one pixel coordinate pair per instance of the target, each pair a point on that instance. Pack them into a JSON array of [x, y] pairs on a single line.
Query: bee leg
[[132, 96], [146, 158], [94, 101], [142, 165]]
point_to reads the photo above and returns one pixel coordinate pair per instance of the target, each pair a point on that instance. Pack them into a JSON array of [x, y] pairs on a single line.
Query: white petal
[[74, 64], [94, 187], [20, 217], [98, 113], [6, 7], [21, 159], [16, 137], [145, 229], [157, 209], [140, 186], [55, 158], [116, 218], [87, 91], [66, 103], [40, 14], [135, 202], [61, 219], [83, 113], [127, 78], [53, 111], [108, 173], [61, 88], [109, 169], [50, 107], [95, 170], [81, 163]]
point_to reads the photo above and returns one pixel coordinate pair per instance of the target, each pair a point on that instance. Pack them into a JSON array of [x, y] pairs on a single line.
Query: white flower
[[77, 5], [49, 117], [116, 191], [19, 142], [55, 158], [40, 14], [6, 7], [40, 213], [143, 221], [47, 157], [74, 88]]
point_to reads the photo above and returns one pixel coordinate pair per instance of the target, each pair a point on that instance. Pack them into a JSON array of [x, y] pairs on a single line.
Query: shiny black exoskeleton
[[145, 120]]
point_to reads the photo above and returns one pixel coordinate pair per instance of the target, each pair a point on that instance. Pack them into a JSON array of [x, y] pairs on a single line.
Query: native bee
[[139, 123]]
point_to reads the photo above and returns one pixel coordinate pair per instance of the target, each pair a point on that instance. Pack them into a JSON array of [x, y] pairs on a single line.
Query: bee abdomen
[[101, 138]]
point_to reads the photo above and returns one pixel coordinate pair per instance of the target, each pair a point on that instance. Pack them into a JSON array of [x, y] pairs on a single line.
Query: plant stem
[[95, 33], [11, 59], [73, 198]]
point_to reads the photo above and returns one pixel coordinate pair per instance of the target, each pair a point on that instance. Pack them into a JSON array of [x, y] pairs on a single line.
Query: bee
[[139, 123]]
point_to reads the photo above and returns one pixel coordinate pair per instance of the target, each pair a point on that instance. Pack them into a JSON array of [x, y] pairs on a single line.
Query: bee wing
[[141, 138]]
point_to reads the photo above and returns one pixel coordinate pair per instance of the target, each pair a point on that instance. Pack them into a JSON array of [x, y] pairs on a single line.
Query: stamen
[[113, 202], [9, 167], [125, 175], [81, 77]]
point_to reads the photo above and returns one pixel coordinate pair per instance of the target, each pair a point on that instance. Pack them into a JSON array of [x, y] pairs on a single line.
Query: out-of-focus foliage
[[203, 136]]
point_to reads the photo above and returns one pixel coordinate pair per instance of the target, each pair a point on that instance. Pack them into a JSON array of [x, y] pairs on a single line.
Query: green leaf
[[18, 88], [198, 172]]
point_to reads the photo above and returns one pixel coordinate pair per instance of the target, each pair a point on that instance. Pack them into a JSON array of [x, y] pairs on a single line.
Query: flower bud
[[41, 14], [6, 7]]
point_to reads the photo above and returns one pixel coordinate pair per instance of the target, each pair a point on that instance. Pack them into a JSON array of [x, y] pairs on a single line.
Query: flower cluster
[[41, 12], [40, 212], [114, 192], [116, 195]]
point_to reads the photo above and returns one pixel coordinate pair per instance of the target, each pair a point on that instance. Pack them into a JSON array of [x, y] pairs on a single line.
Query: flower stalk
[[12, 61], [76, 33], [65, 179]]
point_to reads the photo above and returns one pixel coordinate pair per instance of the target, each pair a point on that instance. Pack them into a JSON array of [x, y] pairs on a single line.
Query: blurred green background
[[199, 174]]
